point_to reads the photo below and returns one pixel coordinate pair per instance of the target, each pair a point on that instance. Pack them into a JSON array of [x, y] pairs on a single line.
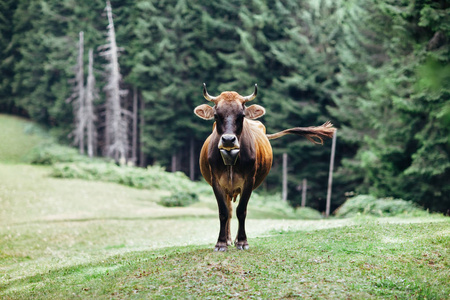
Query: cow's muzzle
[[229, 156], [229, 149]]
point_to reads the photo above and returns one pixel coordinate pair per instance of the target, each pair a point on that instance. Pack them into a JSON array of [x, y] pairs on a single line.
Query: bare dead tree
[[91, 95], [117, 117], [78, 98]]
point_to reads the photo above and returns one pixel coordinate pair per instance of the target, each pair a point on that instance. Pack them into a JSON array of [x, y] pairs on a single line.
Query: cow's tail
[[314, 134]]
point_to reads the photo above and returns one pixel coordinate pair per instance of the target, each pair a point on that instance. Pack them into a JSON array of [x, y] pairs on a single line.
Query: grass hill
[[91, 239]]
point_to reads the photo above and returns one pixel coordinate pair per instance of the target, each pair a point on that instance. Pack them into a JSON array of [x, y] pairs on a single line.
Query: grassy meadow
[[73, 238]]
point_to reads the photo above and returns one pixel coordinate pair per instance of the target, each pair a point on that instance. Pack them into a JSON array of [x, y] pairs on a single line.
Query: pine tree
[[168, 67], [403, 146], [8, 55], [304, 59], [42, 69]]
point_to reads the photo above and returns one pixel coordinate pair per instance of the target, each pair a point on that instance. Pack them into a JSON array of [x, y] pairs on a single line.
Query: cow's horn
[[208, 96], [252, 96]]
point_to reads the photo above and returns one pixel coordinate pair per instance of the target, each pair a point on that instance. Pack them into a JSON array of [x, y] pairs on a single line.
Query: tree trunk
[[107, 135], [116, 116], [91, 95], [78, 98], [80, 79]]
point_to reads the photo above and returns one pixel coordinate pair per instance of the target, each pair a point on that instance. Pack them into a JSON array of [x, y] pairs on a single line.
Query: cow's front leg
[[224, 216], [241, 212]]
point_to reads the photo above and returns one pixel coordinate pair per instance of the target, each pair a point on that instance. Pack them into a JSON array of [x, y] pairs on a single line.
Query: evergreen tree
[[40, 82], [409, 156], [378, 70], [8, 54], [304, 55], [403, 145]]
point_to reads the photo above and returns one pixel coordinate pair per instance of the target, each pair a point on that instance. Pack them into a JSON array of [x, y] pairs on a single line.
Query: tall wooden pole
[[81, 95], [285, 174], [330, 175], [142, 162], [174, 162], [304, 186], [191, 159], [135, 130]]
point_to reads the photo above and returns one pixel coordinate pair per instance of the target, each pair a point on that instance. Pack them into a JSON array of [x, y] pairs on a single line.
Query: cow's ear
[[254, 111], [204, 111]]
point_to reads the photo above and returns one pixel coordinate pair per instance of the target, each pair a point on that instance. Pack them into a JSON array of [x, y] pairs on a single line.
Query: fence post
[[330, 176], [304, 187], [284, 191]]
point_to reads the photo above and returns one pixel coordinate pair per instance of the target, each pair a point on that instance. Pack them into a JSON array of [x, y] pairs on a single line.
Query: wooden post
[[304, 186], [174, 162], [285, 174], [135, 130], [330, 176], [81, 114], [191, 160], [142, 162]]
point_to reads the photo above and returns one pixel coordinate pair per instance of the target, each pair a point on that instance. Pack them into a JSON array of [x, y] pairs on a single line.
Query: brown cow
[[237, 156]]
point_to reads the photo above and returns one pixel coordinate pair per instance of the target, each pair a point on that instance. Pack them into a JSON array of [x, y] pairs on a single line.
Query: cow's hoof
[[243, 245], [221, 247]]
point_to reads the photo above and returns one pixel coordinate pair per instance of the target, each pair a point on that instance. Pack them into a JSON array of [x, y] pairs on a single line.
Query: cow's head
[[229, 112]]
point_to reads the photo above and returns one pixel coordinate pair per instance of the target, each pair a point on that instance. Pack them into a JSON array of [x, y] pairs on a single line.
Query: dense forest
[[379, 70]]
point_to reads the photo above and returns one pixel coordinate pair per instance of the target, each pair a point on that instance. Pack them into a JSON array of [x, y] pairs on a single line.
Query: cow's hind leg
[[241, 212]]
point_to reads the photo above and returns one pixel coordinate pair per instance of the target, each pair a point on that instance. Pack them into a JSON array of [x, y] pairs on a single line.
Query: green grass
[[375, 260], [18, 137], [73, 238]]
